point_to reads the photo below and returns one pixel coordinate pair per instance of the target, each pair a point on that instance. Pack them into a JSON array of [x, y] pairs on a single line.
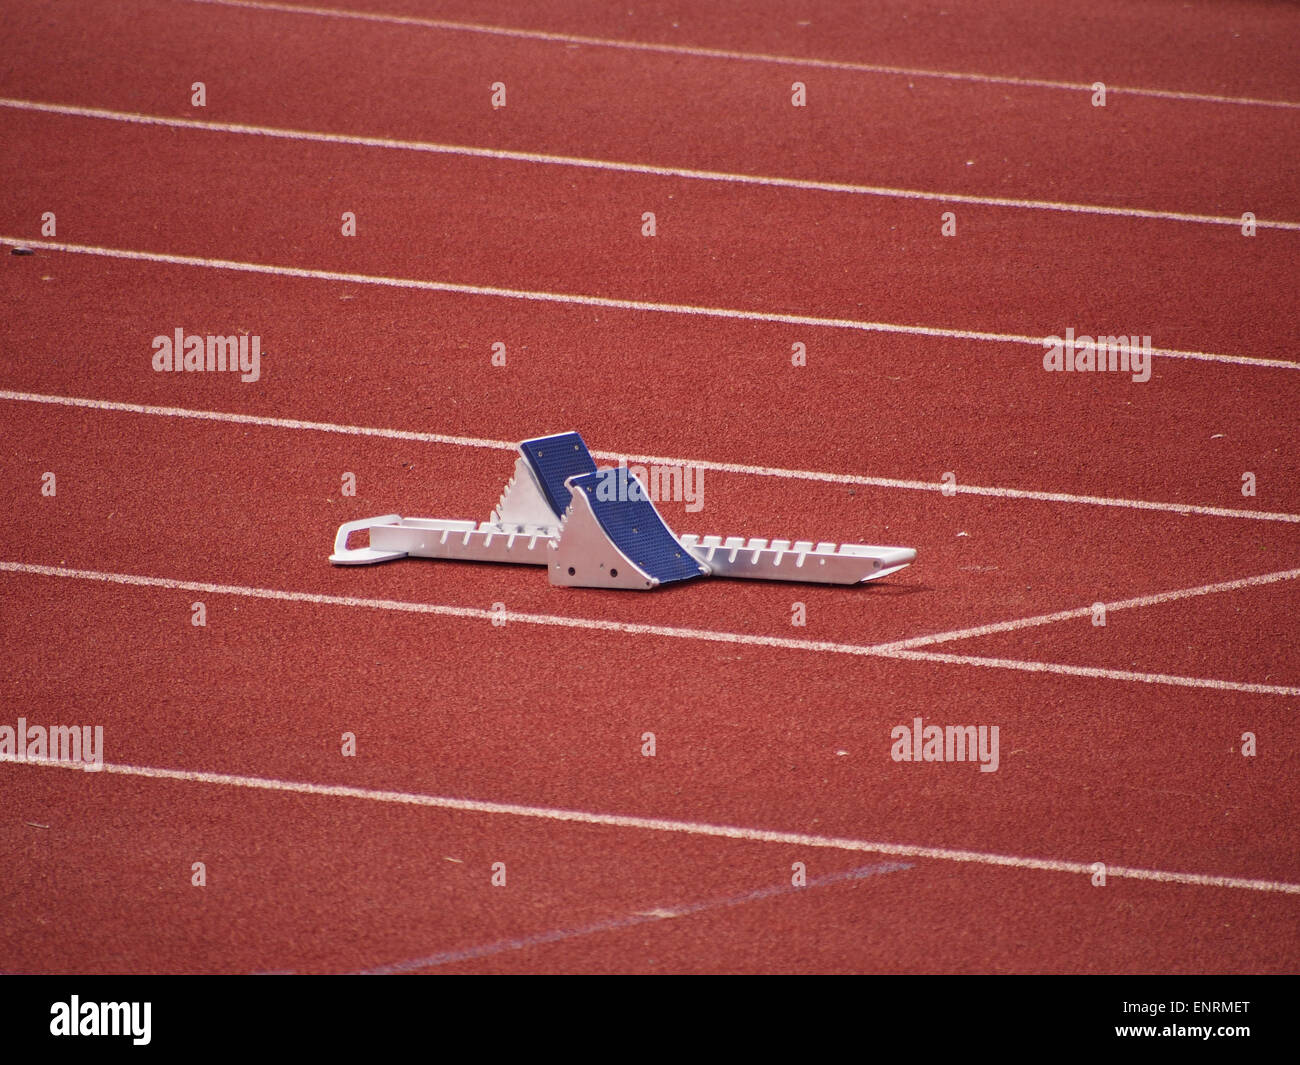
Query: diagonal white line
[[1092, 672], [1085, 611], [638, 629], [700, 51], [616, 924], [265, 421], [653, 460], [659, 824], [578, 299], [468, 151]]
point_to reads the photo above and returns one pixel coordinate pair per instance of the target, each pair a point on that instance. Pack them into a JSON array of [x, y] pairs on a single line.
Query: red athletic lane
[[1247, 633], [353, 77], [950, 927], [773, 738], [116, 514], [259, 506], [525, 226], [523, 715], [1201, 46], [744, 736], [910, 408], [309, 884]]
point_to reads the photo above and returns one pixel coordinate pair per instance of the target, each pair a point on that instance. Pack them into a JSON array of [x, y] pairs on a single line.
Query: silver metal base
[[581, 546], [803, 561], [393, 536], [582, 556]]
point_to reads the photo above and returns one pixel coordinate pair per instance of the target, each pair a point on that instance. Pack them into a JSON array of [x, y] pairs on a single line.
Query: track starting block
[[598, 528]]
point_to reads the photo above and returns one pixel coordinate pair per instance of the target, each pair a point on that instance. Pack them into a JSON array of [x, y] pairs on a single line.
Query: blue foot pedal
[[553, 460], [613, 536]]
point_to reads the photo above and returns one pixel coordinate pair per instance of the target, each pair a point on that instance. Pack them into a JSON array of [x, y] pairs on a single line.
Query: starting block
[[598, 528]]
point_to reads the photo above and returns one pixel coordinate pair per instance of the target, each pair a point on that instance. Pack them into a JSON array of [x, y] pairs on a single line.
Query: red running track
[[479, 744]]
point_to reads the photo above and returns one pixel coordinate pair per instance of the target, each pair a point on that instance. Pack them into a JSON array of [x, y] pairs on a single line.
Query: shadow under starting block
[[598, 528]]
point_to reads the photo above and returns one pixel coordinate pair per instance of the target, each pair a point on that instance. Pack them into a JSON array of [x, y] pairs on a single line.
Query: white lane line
[[603, 301], [639, 629], [635, 168], [960, 489], [1085, 611], [264, 421], [617, 924], [658, 824], [651, 460], [700, 51], [1093, 672]]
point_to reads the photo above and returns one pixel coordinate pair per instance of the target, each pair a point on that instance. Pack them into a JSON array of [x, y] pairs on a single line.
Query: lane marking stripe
[[602, 301], [658, 824], [636, 168], [639, 629], [616, 924], [649, 460], [753, 57], [1157, 599]]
